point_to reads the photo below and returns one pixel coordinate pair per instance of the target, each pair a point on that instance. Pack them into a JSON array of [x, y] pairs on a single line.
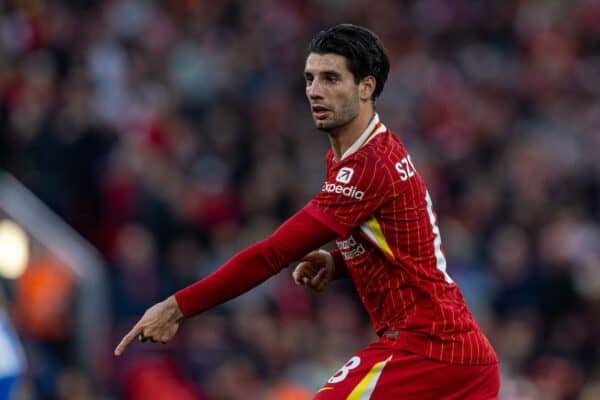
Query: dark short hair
[[362, 49]]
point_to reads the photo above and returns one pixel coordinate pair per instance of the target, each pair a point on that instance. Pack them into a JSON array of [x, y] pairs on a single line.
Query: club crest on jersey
[[344, 175]]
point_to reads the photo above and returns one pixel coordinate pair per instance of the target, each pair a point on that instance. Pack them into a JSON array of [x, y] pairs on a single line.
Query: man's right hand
[[315, 270], [158, 325]]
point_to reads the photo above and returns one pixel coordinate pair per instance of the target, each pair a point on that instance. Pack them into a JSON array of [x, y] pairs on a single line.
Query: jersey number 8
[[343, 372]]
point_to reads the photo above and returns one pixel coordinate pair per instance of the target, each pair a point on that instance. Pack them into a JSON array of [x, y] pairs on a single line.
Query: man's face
[[331, 90]]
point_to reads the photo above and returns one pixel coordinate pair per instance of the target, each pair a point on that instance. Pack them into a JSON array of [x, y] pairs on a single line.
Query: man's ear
[[366, 87]]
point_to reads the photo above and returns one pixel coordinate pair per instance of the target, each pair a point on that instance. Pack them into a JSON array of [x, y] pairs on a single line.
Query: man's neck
[[342, 138]]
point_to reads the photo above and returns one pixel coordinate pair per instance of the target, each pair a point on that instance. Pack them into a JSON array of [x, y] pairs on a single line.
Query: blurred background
[[142, 143]]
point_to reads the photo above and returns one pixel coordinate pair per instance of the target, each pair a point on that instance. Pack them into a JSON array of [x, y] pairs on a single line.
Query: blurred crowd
[[172, 134]]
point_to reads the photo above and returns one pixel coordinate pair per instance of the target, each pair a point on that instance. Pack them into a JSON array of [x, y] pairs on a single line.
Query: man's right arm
[[247, 269], [250, 267]]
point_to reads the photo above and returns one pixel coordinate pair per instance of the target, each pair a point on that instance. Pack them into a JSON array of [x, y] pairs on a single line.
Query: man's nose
[[314, 90]]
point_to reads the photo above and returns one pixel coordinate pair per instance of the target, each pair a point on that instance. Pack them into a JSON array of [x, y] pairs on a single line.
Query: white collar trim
[[366, 136]]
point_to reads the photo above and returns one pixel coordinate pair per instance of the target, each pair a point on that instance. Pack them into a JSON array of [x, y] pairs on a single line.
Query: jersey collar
[[374, 128]]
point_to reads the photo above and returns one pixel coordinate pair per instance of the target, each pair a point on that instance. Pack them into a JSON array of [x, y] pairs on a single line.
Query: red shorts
[[382, 372]]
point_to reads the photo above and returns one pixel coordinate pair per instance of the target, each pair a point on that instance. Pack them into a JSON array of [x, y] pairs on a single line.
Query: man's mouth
[[320, 112]]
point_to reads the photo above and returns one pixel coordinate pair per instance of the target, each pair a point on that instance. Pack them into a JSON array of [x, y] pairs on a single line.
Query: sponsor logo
[[344, 175], [350, 248], [348, 191]]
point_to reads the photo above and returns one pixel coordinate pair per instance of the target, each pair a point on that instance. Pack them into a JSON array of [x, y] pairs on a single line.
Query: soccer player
[[12, 361], [375, 205]]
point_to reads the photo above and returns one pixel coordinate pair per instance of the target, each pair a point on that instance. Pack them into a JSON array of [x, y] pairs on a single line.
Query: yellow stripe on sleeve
[[373, 230]]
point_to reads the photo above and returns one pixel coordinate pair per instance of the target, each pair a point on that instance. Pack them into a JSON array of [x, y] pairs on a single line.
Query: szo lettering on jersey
[[406, 168]]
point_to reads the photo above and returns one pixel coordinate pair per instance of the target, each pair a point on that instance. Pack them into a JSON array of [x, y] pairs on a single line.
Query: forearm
[[242, 272], [341, 271], [252, 266]]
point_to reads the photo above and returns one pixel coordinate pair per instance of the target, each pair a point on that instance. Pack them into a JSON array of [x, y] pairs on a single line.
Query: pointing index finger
[[133, 333]]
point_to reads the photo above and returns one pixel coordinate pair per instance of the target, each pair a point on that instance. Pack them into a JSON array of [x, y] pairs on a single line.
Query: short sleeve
[[353, 190]]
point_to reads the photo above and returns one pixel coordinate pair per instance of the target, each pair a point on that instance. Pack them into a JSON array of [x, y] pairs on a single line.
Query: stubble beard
[[348, 111]]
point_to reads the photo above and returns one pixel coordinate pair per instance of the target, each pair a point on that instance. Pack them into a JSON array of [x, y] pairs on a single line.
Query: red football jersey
[[377, 202]]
